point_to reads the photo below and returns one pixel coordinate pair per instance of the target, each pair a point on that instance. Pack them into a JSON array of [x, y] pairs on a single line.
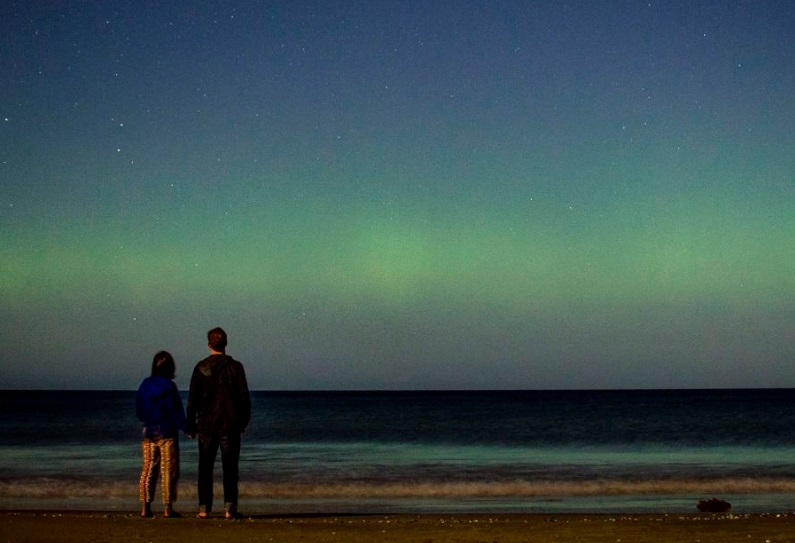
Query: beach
[[111, 527]]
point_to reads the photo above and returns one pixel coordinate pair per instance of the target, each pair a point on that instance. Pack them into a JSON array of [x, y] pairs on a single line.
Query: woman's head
[[163, 365]]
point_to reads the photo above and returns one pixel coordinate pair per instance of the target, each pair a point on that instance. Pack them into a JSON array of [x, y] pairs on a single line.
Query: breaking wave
[[58, 488]]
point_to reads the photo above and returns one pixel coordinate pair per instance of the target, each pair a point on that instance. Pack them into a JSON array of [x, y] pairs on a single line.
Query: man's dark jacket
[[218, 402]]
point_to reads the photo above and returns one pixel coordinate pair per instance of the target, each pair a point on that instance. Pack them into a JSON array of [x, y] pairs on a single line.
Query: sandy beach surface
[[67, 526]]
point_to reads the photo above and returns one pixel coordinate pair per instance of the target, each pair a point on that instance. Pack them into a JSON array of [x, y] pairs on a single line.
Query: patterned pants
[[159, 455]]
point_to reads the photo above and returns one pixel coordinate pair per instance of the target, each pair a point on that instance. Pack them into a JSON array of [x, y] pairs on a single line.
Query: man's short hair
[[216, 339]]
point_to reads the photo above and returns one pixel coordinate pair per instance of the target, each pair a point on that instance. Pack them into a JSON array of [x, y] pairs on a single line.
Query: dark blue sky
[[400, 194]]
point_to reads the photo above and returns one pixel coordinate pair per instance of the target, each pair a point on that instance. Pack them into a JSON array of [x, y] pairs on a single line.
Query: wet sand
[[67, 526]]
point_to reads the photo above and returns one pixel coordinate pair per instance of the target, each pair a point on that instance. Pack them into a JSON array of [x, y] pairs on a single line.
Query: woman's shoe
[[169, 512]]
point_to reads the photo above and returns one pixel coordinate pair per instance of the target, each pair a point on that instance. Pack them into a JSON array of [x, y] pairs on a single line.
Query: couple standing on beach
[[219, 410]]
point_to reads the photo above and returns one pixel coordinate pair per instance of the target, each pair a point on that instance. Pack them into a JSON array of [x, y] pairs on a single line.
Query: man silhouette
[[219, 410]]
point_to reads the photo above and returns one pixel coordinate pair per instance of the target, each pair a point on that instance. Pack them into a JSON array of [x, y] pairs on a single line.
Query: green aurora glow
[[582, 209]]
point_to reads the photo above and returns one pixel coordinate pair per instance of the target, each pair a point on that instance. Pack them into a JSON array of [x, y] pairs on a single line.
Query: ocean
[[396, 452]]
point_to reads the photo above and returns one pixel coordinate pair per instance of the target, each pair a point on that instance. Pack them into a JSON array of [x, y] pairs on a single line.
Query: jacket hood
[[212, 363], [155, 386]]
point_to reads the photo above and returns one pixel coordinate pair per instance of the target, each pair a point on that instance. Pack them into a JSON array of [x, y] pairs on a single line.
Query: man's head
[[163, 365], [216, 340]]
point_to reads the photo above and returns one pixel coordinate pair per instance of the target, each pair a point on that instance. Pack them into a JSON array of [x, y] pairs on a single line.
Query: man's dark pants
[[230, 459]]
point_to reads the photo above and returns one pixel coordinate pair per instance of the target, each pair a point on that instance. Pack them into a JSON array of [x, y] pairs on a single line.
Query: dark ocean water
[[551, 451]]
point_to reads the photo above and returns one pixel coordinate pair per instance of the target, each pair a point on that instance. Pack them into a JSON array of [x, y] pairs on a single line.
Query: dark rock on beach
[[713, 506]]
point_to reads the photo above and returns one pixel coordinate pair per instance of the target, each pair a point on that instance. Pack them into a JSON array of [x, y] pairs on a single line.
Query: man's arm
[[193, 405], [245, 399]]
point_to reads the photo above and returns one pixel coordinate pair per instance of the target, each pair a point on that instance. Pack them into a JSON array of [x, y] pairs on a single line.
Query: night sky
[[399, 195]]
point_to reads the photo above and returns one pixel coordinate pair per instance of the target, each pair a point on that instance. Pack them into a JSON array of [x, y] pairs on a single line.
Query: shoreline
[[67, 526]]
